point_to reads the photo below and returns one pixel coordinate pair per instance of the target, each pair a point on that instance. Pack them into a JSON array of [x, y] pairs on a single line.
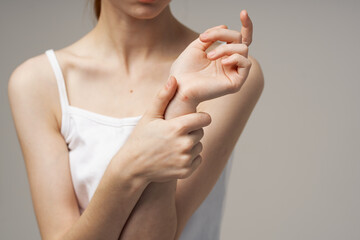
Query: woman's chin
[[146, 11]]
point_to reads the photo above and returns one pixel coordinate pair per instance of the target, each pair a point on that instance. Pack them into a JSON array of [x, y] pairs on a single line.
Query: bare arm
[[226, 128], [46, 158], [154, 216]]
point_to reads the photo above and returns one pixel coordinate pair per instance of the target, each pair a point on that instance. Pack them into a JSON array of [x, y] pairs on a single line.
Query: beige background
[[297, 170]]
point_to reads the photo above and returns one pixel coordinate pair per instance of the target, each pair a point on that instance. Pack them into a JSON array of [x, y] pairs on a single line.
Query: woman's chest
[[112, 92]]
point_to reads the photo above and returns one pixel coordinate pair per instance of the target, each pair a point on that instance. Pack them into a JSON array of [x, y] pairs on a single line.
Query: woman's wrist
[[124, 172], [179, 106]]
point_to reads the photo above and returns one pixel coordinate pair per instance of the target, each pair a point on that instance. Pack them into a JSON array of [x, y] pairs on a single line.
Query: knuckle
[[184, 160], [187, 144], [236, 56], [239, 36], [216, 31], [245, 48], [212, 33], [181, 128], [249, 63], [172, 128], [178, 129]]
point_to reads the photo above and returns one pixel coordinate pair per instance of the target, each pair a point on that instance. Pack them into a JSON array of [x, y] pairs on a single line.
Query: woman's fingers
[[228, 49], [196, 135], [221, 34], [239, 60], [190, 122], [203, 45], [243, 66], [197, 149], [246, 29], [188, 171]]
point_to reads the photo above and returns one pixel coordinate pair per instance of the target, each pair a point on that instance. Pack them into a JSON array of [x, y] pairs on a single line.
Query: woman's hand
[[202, 76], [163, 150]]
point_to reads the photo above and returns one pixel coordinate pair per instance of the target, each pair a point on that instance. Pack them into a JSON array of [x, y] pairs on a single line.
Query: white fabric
[[93, 139]]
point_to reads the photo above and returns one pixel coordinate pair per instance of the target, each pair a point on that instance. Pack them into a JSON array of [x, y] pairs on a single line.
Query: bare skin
[[127, 63]]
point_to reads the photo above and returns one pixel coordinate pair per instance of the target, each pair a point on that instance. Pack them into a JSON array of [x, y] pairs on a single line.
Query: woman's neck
[[130, 40]]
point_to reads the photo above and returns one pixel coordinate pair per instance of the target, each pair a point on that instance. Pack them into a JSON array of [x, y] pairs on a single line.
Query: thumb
[[162, 99]]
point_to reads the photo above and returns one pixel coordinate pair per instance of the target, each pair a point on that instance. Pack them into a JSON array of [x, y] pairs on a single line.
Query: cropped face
[[141, 9]]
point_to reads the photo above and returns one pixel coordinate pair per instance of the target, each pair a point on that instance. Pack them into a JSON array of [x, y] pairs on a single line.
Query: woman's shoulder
[[32, 86], [37, 69], [36, 74], [30, 72], [32, 75]]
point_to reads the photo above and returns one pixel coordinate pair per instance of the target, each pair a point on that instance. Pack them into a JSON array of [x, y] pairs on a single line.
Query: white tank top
[[93, 139]]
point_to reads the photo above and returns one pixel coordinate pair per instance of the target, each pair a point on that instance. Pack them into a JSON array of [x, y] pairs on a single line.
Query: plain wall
[[296, 171]]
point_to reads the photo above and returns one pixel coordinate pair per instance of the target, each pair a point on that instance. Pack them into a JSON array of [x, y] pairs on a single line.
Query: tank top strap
[[59, 79]]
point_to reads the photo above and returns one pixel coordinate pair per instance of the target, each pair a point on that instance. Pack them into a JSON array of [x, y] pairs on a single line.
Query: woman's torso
[[94, 132]]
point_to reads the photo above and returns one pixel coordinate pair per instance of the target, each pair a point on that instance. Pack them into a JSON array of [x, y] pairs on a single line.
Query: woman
[[106, 157]]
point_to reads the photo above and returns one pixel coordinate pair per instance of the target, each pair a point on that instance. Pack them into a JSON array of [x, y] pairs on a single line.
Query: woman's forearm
[[111, 204], [154, 216]]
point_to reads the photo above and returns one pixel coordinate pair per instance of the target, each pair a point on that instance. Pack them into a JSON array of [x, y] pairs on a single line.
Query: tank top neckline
[[67, 108], [104, 119]]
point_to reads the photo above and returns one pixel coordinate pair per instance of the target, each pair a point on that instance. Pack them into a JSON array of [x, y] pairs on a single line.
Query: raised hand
[[202, 76]]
